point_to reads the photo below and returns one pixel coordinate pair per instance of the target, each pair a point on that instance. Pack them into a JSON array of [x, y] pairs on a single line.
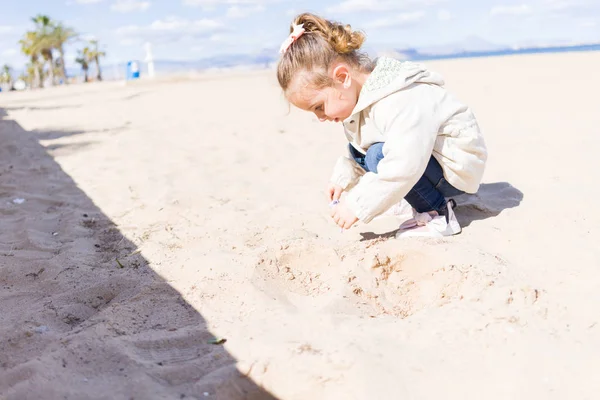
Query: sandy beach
[[140, 222]]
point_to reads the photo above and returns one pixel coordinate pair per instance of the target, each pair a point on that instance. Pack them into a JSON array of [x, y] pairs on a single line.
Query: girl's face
[[332, 103]]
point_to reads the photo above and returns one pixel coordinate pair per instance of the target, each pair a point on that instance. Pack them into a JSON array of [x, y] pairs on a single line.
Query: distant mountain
[[536, 44], [469, 44], [477, 47]]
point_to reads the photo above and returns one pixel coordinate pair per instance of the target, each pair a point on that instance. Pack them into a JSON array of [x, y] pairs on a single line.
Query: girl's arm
[[410, 120], [346, 173]]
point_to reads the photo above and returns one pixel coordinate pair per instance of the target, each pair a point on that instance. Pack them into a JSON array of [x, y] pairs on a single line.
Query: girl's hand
[[343, 216], [333, 192]]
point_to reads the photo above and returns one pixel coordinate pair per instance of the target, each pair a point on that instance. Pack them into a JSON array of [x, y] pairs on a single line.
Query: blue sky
[[193, 29]]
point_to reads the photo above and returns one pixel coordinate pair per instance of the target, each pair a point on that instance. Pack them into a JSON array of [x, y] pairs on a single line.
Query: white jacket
[[405, 105]]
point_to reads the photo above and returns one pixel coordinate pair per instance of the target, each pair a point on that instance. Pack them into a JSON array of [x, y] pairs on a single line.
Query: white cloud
[[129, 42], [218, 38], [397, 21], [444, 15], [521, 9], [87, 1], [10, 52], [350, 6], [571, 8], [212, 3], [563, 5], [234, 12], [169, 30], [558, 5], [588, 24], [125, 6]]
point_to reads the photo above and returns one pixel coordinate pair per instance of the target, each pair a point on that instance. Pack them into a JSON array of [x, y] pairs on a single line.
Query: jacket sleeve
[[346, 173], [409, 119]]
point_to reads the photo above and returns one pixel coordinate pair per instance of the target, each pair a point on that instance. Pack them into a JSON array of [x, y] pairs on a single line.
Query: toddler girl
[[408, 137]]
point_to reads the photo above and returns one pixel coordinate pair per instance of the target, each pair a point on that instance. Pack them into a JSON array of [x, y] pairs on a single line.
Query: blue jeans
[[428, 194]]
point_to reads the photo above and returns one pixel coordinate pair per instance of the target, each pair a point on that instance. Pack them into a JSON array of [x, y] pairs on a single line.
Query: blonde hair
[[316, 50]]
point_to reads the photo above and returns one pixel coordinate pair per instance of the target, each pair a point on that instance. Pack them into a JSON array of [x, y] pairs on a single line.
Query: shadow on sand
[[76, 323], [488, 202]]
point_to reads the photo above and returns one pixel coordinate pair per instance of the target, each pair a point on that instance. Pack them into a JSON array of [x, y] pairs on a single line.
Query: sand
[[157, 216]]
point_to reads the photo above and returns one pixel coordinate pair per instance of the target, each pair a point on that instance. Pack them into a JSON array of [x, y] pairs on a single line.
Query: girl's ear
[[341, 74]]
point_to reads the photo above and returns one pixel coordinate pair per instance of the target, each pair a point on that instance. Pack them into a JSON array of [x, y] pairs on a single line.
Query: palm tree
[[5, 75], [43, 23], [84, 59], [58, 71], [95, 54], [44, 30], [61, 35], [37, 44], [32, 76], [31, 47], [45, 48], [50, 36]]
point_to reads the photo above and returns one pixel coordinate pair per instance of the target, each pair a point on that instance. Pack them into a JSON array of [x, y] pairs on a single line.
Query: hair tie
[[296, 33]]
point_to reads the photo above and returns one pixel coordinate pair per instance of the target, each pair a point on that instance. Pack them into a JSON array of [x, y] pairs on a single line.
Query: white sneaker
[[426, 225]]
